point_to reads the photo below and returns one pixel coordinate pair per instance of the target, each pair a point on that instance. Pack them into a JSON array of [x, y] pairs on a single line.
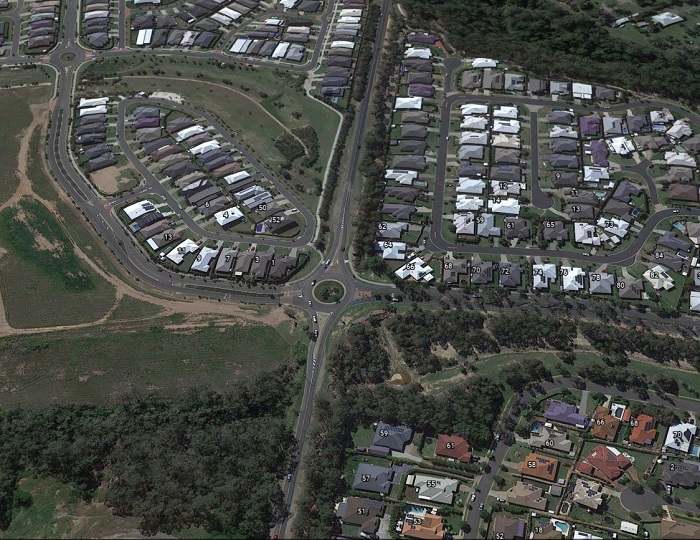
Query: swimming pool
[[416, 510], [535, 427], [562, 526]]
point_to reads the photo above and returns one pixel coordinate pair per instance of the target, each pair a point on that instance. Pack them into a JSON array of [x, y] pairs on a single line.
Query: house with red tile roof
[[643, 429], [453, 447], [605, 462]]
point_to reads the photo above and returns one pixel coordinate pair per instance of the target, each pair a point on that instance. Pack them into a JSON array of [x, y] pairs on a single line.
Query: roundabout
[[329, 291]]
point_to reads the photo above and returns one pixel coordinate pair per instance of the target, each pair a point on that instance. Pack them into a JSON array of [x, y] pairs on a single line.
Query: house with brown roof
[[683, 192], [643, 429], [453, 447], [540, 467], [426, 527], [546, 532], [526, 495], [679, 530], [507, 527], [604, 425], [361, 512], [604, 462]]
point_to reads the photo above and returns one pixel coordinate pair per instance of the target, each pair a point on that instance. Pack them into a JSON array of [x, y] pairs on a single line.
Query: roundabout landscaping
[[329, 291]]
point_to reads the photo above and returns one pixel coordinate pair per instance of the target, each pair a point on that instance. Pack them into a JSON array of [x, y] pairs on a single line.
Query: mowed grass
[[15, 76], [101, 364], [56, 513], [43, 281], [241, 100]]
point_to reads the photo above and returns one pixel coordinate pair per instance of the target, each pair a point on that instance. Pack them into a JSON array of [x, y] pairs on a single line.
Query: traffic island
[[329, 292]]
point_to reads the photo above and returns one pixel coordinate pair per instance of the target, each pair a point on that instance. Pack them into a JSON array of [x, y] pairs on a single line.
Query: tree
[[636, 488]]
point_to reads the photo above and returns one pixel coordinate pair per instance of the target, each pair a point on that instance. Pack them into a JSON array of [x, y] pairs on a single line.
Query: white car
[[310, 302], [473, 497], [314, 318], [676, 211]]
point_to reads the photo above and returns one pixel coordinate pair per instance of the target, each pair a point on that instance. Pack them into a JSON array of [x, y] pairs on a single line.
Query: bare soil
[[106, 180]]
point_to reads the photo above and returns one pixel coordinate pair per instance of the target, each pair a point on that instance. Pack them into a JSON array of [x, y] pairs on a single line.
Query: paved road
[[539, 198]]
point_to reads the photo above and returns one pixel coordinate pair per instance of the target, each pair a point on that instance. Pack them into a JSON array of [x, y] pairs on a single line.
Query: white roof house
[[230, 13], [228, 216], [433, 488], [351, 13], [241, 175], [138, 209], [474, 108], [465, 203], [473, 122], [506, 111], [621, 145], [92, 102], [100, 14], [472, 186], [694, 301], [659, 278], [510, 207], [221, 18], [667, 18], [189, 132], [629, 527], [349, 20], [408, 103], [417, 269], [464, 223], [582, 91], [342, 45], [595, 174], [281, 49], [203, 260], [87, 111], [680, 158], [679, 129], [144, 36], [572, 278], [680, 437], [543, 275], [484, 63], [661, 117], [240, 46], [506, 126], [613, 225], [392, 251], [566, 132], [204, 148], [585, 233], [418, 52], [474, 137], [405, 178], [178, 253], [501, 189]]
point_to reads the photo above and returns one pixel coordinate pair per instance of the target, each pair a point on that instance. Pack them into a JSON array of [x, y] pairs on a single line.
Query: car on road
[[309, 302], [473, 497], [676, 211], [313, 282], [315, 333], [327, 263], [481, 506], [289, 478], [314, 318]]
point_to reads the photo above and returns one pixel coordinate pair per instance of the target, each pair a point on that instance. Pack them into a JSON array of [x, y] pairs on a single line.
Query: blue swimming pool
[[562, 526], [535, 427]]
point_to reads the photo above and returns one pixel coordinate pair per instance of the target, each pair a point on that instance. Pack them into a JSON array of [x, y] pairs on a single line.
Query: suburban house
[[517, 228], [684, 474], [424, 526], [393, 437], [454, 447], [564, 413], [482, 272], [590, 126], [509, 275], [560, 117], [555, 231], [373, 478], [604, 462], [683, 192], [362, 513], [572, 278], [659, 278], [587, 493], [604, 425], [601, 283], [526, 495], [630, 288], [550, 438], [540, 467], [508, 527], [680, 437], [433, 488], [543, 275], [679, 530]]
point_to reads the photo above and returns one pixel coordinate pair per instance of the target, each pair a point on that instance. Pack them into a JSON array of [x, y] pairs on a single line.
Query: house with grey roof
[[226, 260], [619, 209], [413, 131], [599, 153], [486, 226], [402, 193], [557, 88], [482, 272], [550, 439], [579, 211], [612, 126], [630, 288], [590, 125], [472, 171], [361, 512], [493, 79], [510, 275], [507, 155], [514, 82], [468, 151], [393, 437], [516, 227], [562, 145], [373, 478], [412, 163], [672, 241], [555, 231], [391, 231], [564, 179], [415, 117], [537, 87], [601, 283], [605, 94], [560, 117], [637, 123], [625, 191], [402, 212], [434, 489], [564, 161], [684, 474], [471, 80], [456, 272], [508, 173]]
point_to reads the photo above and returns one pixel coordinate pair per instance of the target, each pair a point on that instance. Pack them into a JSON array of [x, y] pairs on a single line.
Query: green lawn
[[10, 76], [17, 118], [101, 364], [131, 308]]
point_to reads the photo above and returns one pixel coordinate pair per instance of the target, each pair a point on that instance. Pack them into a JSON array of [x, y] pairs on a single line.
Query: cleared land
[[258, 106], [101, 364], [16, 76]]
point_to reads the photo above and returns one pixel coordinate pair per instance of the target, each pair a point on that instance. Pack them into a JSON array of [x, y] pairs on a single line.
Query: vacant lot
[[258, 105], [101, 364], [16, 76], [16, 118]]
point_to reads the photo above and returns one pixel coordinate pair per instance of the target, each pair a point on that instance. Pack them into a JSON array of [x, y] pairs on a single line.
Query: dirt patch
[[448, 352], [106, 180], [397, 365]]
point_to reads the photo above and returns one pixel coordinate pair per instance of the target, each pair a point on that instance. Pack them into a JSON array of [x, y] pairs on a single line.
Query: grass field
[[247, 100], [101, 364], [17, 117], [43, 281], [14, 76], [130, 308]]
